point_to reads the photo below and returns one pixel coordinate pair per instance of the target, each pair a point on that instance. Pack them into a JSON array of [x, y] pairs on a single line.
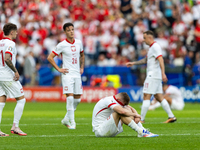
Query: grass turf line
[[41, 121]]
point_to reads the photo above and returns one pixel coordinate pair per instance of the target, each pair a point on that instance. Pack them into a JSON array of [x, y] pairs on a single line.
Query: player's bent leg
[[109, 128], [77, 100]]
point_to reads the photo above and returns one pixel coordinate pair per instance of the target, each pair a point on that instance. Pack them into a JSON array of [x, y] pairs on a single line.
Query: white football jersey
[[102, 110], [153, 66], [174, 93], [70, 53], [7, 46]]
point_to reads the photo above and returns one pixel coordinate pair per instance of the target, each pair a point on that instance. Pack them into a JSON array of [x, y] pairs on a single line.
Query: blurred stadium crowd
[[111, 31]]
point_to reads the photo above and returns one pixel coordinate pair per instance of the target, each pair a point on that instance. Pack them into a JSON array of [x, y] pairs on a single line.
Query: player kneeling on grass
[[110, 113]]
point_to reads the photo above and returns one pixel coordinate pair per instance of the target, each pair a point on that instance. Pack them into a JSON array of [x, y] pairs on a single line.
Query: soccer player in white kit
[[73, 57], [173, 96], [155, 76], [9, 76], [110, 113]]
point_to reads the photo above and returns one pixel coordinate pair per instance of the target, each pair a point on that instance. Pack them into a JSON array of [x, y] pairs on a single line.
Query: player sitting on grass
[[110, 113], [173, 96]]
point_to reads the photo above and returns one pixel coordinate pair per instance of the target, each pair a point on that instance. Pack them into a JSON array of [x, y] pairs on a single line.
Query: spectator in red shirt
[[197, 38]]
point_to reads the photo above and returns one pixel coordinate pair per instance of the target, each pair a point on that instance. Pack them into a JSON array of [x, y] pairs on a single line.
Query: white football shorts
[[71, 85], [13, 89], [108, 128], [177, 105], [152, 86]]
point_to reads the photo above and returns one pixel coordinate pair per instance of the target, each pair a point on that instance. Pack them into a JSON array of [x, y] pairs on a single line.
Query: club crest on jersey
[[9, 48], [73, 48], [66, 88]]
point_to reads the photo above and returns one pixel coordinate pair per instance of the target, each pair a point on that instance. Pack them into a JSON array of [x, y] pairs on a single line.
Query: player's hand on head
[[16, 77], [63, 70]]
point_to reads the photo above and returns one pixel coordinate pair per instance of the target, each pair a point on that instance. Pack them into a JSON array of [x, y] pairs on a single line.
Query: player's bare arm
[[139, 62], [124, 112], [162, 66], [82, 62], [53, 63], [11, 66]]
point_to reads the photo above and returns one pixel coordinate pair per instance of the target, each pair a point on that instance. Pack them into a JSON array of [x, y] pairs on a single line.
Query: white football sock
[[76, 102], [154, 106], [145, 107], [135, 127], [166, 107], [140, 125], [1, 109], [18, 111], [70, 108]]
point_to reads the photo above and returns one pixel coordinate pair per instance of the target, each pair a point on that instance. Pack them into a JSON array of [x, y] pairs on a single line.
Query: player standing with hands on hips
[[9, 76], [155, 76], [73, 59]]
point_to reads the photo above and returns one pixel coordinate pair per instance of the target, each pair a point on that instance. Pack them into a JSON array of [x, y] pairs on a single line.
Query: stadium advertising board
[[90, 94], [93, 94], [190, 94]]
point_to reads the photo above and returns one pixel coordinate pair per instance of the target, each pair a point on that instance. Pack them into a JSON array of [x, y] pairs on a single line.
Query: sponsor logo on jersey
[[73, 48], [74, 54]]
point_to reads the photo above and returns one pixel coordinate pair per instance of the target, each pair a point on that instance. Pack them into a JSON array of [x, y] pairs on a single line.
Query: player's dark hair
[[149, 32], [125, 98], [8, 27], [67, 25]]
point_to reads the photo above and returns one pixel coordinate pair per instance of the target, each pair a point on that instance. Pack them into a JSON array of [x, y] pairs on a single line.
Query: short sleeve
[[10, 49], [111, 104], [157, 51], [57, 50], [81, 50]]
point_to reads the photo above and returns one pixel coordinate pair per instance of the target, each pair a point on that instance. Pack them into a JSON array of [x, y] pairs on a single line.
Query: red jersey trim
[[158, 56], [118, 101], [9, 53], [111, 104], [101, 111], [105, 108], [82, 51], [152, 43], [7, 38], [55, 53], [70, 42]]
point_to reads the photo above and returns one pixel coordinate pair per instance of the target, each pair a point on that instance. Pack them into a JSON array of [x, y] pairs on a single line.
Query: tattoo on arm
[[140, 62], [10, 64], [82, 60]]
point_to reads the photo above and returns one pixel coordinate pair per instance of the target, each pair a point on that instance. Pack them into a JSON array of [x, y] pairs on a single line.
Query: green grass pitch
[[41, 121]]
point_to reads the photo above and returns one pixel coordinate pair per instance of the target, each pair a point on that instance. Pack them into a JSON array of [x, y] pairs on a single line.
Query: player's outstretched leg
[[144, 109], [69, 117], [17, 116], [2, 104], [167, 108]]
